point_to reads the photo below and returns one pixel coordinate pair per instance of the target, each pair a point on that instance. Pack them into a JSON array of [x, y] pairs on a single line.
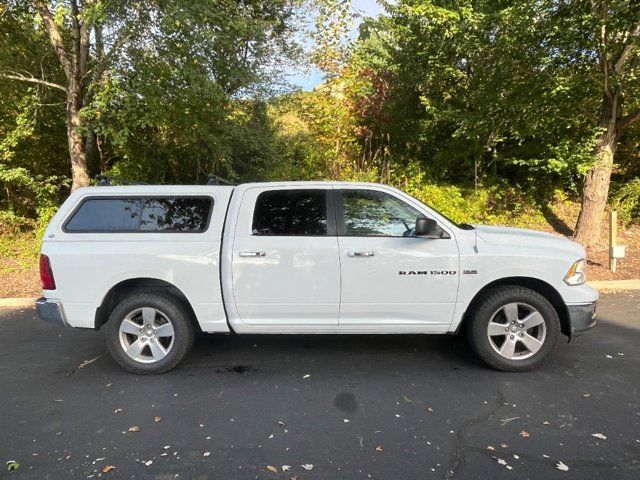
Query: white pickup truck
[[153, 264]]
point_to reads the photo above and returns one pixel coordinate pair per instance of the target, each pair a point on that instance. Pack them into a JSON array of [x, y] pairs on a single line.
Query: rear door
[[390, 277], [285, 265]]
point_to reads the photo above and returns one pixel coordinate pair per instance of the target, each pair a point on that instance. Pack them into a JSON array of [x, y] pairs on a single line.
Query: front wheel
[[513, 328], [149, 333]]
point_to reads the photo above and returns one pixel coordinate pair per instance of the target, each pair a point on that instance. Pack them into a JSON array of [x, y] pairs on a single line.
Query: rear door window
[[291, 213], [141, 214]]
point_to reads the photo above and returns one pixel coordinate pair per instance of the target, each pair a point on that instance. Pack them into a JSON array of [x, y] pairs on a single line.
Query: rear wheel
[[513, 328], [149, 333]]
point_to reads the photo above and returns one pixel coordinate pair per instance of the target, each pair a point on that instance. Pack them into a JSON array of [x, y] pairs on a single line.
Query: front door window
[[370, 213]]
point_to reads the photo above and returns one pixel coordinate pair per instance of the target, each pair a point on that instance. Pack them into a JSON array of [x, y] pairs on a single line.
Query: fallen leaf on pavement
[[561, 466], [206, 454], [286, 468], [429, 409], [546, 423], [134, 429], [306, 376], [148, 463], [507, 420], [157, 419], [282, 424], [12, 465], [108, 468], [117, 410], [489, 447], [346, 420], [504, 445], [272, 469], [407, 399], [599, 435], [307, 466], [524, 434], [379, 448]]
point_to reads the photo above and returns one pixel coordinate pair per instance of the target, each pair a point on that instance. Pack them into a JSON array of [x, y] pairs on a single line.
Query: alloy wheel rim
[[516, 331], [146, 335]]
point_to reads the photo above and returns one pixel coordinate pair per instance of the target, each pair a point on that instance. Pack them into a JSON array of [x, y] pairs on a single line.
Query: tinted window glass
[[371, 213], [134, 214], [175, 214], [290, 212]]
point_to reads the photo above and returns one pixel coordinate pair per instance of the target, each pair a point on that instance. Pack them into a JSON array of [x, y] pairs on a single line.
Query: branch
[[629, 119], [626, 50], [75, 29], [84, 48], [39, 81], [54, 35]]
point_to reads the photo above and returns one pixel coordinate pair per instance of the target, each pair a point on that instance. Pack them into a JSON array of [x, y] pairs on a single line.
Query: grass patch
[[19, 253]]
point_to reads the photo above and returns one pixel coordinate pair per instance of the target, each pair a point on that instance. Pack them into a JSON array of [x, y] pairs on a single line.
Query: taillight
[[46, 274]]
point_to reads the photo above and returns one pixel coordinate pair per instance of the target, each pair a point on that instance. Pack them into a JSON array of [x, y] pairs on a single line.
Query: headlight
[[576, 274]]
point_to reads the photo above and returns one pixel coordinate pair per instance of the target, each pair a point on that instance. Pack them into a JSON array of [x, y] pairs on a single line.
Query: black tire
[[173, 310], [491, 302]]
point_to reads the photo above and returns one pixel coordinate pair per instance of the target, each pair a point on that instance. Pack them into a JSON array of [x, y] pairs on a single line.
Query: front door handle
[[252, 254], [361, 254]]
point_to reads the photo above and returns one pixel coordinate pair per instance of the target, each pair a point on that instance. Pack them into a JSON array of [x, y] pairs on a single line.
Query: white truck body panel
[[88, 265], [238, 281], [295, 281]]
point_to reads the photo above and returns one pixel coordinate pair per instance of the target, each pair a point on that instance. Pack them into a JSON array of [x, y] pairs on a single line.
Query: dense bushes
[[626, 201]]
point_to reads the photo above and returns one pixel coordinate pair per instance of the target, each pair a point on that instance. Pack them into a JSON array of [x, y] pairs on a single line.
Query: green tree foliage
[[485, 109], [153, 89], [538, 91]]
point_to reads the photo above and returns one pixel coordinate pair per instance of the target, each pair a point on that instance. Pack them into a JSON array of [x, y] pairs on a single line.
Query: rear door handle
[[252, 254], [361, 254]]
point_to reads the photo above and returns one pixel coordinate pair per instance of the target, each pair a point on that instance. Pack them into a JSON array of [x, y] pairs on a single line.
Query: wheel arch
[[535, 284], [125, 287]]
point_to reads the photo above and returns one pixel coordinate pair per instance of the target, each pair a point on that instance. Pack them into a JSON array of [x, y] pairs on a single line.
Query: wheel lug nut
[[506, 329], [511, 337], [520, 334]]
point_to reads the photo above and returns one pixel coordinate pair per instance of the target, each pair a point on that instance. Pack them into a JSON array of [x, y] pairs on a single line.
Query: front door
[[389, 276], [285, 267]]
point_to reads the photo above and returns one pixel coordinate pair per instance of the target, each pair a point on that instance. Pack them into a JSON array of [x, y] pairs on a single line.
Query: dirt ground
[[20, 278], [627, 268]]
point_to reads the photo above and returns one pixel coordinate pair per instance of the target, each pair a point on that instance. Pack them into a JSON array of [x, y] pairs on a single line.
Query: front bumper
[[582, 317], [50, 311]]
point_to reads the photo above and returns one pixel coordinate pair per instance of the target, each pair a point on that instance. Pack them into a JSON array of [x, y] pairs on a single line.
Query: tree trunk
[[77, 152], [74, 65], [596, 189]]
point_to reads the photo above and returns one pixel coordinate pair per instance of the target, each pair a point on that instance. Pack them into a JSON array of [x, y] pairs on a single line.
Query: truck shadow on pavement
[[287, 352]]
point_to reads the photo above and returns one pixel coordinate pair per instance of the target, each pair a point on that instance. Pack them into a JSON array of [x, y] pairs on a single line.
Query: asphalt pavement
[[328, 407]]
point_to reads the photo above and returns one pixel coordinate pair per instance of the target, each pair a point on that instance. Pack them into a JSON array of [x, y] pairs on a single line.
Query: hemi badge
[[470, 272]]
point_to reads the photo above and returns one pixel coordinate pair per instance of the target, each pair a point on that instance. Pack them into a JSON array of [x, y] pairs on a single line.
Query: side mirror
[[427, 227]]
